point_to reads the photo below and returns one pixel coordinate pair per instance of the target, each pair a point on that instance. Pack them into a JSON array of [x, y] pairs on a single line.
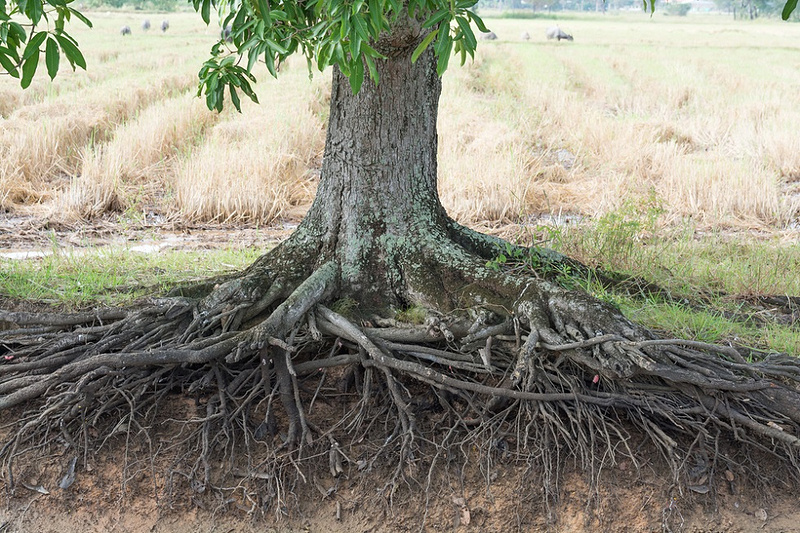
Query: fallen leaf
[[69, 478], [465, 516], [38, 488]]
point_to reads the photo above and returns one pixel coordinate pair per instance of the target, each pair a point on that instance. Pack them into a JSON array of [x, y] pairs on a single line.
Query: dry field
[[695, 115]]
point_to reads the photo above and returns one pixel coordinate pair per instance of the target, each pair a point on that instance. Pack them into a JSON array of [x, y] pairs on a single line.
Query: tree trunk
[[377, 195]]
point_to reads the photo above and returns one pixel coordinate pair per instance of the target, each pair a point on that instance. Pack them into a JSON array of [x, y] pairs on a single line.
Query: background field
[[661, 147], [695, 115]]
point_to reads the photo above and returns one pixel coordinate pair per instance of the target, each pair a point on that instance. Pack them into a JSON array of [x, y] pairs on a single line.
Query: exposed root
[[549, 372]]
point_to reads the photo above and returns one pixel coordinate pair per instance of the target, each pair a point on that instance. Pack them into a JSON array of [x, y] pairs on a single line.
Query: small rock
[[565, 158], [762, 515]]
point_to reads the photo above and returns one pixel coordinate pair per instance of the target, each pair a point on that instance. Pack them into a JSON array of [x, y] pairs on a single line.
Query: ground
[[626, 501], [118, 488]]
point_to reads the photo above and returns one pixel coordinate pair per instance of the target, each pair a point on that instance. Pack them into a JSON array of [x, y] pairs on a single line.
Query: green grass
[[113, 276], [708, 283]]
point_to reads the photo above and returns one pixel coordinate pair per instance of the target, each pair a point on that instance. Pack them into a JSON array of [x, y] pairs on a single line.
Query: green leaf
[[7, 63], [269, 59], [29, 69], [235, 99], [376, 16], [33, 10], [52, 57], [479, 22], [788, 8], [463, 24], [278, 48], [436, 18], [323, 56], [16, 33], [356, 76], [206, 11], [263, 8], [423, 45], [80, 17], [34, 44], [444, 47], [361, 27], [74, 55], [373, 72]]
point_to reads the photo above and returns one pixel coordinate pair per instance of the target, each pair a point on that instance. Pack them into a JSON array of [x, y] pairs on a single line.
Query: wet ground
[[24, 237]]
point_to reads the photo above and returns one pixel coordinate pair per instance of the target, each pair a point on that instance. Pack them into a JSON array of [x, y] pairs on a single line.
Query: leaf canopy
[[327, 32]]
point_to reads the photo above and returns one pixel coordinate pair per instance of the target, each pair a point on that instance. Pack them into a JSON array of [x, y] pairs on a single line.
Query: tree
[[495, 345]]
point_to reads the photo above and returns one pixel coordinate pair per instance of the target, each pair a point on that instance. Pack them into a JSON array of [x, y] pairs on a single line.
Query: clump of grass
[[412, 315], [138, 157], [112, 276], [704, 283]]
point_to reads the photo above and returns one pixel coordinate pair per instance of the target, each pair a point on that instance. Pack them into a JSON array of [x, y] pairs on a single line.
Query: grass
[[113, 275], [709, 284], [698, 110]]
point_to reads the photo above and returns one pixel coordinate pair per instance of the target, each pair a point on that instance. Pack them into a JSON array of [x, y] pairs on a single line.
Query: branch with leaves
[[22, 44]]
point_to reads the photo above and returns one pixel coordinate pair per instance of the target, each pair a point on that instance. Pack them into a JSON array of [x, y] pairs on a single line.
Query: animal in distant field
[[226, 34], [489, 36], [554, 32], [525, 36], [164, 25], [146, 24], [125, 30]]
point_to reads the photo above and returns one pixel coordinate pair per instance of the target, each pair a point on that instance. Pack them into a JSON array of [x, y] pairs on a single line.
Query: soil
[[119, 490], [124, 487]]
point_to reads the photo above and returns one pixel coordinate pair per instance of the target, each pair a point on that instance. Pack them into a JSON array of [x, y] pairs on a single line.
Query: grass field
[[670, 143], [695, 113]]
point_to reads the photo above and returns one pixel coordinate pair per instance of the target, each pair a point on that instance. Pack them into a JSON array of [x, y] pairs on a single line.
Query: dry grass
[[116, 175], [698, 113], [258, 166], [681, 109]]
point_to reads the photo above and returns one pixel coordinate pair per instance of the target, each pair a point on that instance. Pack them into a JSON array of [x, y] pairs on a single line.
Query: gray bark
[[377, 196]]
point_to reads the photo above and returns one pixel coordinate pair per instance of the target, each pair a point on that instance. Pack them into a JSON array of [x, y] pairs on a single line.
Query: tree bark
[[378, 187]]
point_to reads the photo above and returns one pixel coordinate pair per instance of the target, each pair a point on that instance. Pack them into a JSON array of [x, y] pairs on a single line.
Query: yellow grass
[[698, 113], [115, 175], [258, 166], [686, 110]]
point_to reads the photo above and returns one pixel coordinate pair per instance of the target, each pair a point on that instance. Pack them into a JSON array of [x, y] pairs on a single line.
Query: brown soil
[[24, 236], [625, 502], [132, 483]]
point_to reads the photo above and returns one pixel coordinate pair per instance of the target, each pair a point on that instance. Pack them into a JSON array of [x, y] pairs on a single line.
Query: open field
[[696, 114]]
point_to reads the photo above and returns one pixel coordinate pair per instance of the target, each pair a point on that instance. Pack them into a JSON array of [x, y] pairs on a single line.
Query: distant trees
[[750, 9]]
